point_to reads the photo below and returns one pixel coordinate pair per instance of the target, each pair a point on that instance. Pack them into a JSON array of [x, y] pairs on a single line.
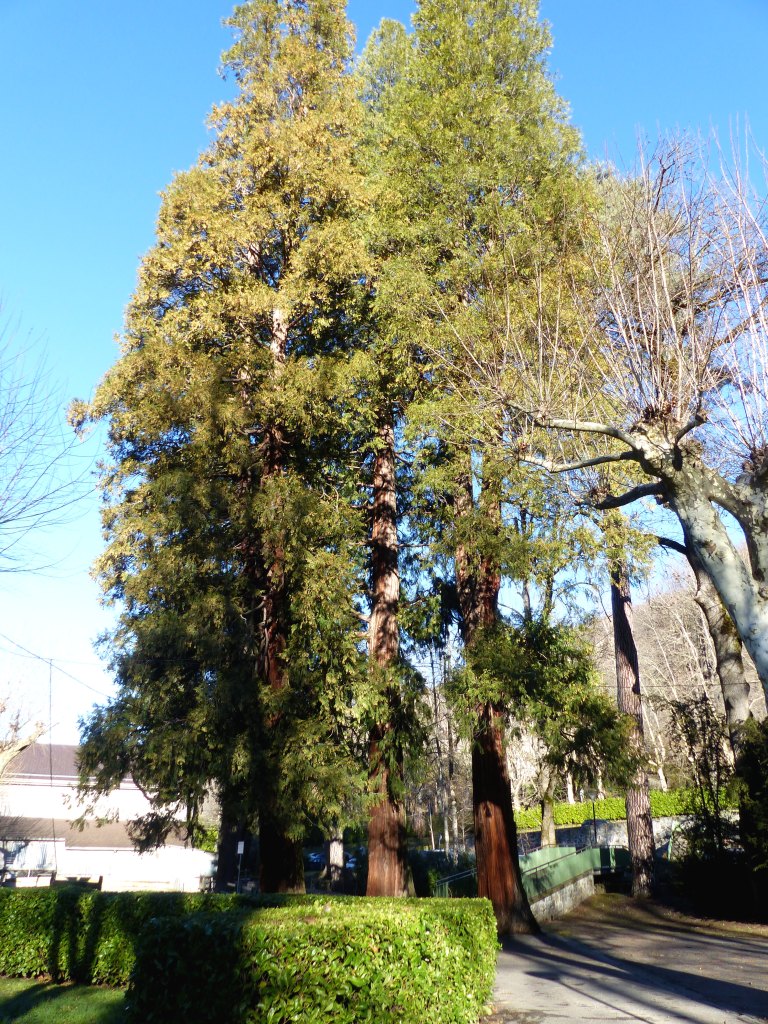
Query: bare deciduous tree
[[41, 479], [16, 733], [651, 351]]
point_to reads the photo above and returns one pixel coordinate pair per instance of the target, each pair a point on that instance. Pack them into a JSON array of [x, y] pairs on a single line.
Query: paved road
[[613, 961]]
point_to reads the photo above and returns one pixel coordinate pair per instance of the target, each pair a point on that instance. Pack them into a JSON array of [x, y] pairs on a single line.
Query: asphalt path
[[614, 960]]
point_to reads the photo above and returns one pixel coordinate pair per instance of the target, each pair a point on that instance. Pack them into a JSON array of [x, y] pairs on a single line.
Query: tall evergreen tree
[[231, 557], [389, 380], [473, 150]]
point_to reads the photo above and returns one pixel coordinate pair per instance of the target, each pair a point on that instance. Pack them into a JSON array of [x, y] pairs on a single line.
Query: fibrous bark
[[387, 862], [728, 653], [478, 583], [498, 866], [639, 821]]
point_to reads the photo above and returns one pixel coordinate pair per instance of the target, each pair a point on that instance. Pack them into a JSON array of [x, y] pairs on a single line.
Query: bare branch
[[672, 545], [589, 427], [651, 490], [565, 467], [693, 422]]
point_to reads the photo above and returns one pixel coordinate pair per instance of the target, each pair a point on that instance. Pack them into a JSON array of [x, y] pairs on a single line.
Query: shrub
[[340, 960], [752, 774], [673, 803], [75, 934]]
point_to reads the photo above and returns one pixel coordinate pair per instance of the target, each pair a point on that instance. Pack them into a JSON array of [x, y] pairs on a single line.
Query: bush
[[752, 775], [76, 934], [673, 803], [339, 960]]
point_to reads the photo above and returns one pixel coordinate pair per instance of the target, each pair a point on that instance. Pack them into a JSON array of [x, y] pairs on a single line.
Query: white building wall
[[40, 799], [171, 867]]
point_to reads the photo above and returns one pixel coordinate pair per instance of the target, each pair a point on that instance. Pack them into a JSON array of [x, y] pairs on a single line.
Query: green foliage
[[544, 672], [233, 537], [674, 803], [206, 838], [329, 960], [752, 776], [73, 934], [198, 955]]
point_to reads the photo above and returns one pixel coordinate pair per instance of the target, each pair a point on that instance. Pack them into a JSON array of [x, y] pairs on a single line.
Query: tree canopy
[[372, 303]]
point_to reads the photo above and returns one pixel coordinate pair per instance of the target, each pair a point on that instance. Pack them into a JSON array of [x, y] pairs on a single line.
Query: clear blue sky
[[102, 102]]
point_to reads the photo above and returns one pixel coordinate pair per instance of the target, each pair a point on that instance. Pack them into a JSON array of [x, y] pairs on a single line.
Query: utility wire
[[50, 759], [51, 664]]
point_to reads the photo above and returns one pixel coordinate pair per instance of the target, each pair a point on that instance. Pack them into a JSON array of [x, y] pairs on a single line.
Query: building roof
[[53, 763], [113, 835], [45, 761]]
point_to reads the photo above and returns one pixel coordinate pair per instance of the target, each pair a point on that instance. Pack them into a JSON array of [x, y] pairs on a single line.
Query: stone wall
[[559, 901], [609, 833]]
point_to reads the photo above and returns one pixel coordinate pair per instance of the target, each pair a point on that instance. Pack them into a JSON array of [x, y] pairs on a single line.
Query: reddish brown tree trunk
[[639, 821], [478, 582], [498, 866], [281, 865], [387, 855]]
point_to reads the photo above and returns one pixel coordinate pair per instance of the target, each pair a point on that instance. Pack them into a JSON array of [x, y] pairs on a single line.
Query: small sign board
[[241, 848]]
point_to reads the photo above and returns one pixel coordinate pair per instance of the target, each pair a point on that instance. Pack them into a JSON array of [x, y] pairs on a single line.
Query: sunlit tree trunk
[[639, 821], [453, 810], [281, 864], [334, 857], [570, 796], [498, 868], [387, 860], [548, 833], [728, 653]]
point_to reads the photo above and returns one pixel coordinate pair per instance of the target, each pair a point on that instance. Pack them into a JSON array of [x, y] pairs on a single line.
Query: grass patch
[[31, 1001]]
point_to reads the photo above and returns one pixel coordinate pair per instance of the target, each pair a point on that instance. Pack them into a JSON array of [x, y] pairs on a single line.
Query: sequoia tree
[[469, 125], [233, 561]]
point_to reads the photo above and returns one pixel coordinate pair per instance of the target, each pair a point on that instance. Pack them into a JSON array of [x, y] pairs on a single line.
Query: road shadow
[[664, 964]]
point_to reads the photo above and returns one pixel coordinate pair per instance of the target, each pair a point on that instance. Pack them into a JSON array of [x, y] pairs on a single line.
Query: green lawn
[[38, 1002]]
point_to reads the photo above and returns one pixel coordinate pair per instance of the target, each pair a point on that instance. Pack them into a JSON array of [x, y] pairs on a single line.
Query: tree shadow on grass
[[45, 1002]]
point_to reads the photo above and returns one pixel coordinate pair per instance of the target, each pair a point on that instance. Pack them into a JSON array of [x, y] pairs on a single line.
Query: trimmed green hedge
[[670, 804], [336, 961], [76, 934]]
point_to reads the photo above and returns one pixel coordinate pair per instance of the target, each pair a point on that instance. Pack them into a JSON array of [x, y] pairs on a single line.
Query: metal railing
[[604, 861], [443, 885]]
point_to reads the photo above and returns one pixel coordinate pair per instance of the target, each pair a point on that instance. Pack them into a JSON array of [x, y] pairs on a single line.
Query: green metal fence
[[549, 868]]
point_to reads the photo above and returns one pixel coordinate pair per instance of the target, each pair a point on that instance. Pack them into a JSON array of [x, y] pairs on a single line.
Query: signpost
[[240, 852]]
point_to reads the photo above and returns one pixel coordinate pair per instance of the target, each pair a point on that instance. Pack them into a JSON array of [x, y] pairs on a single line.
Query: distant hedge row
[[674, 802], [204, 958]]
